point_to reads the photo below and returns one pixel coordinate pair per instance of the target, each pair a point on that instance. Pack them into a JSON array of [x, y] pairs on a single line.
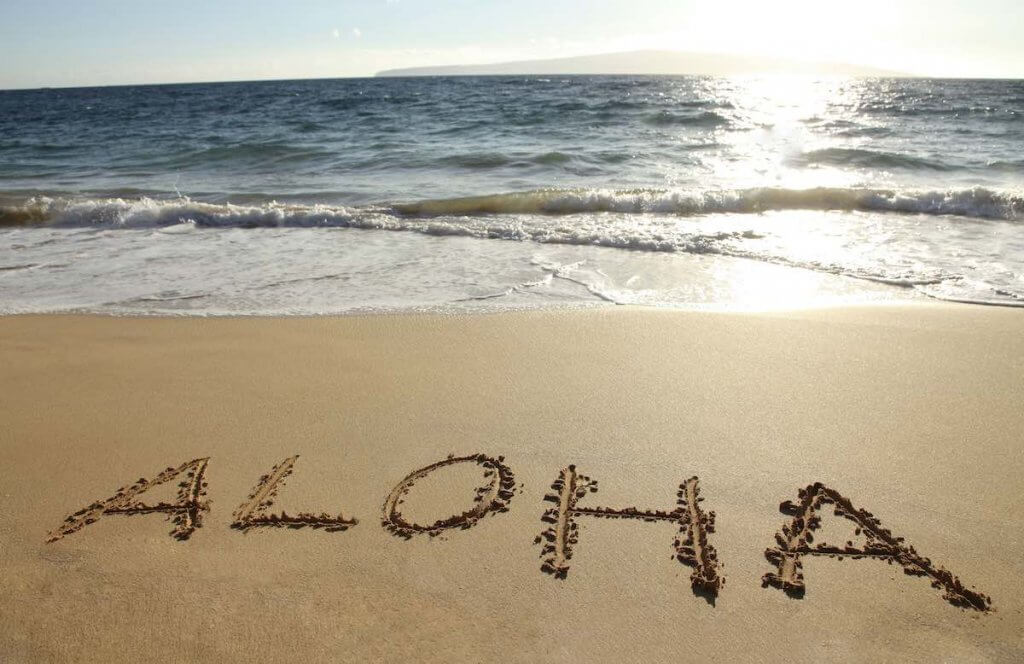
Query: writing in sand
[[692, 545]]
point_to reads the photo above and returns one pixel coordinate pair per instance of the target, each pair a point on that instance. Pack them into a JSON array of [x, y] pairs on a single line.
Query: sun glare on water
[[779, 113], [775, 122]]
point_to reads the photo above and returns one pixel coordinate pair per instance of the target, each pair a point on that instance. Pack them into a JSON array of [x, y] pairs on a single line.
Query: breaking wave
[[861, 158], [978, 202], [639, 220], [146, 212]]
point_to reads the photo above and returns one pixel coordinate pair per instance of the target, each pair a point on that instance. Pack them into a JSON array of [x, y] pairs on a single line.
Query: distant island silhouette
[[650, 62]]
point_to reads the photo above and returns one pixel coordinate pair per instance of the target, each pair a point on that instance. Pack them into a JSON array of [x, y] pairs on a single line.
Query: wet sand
[[599, 486]]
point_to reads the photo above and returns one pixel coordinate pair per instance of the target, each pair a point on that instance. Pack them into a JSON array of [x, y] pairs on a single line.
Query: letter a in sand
[[186, 513], [797, 537]]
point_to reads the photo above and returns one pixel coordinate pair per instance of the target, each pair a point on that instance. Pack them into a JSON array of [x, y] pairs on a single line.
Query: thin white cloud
[[336, 33], [357, 33]]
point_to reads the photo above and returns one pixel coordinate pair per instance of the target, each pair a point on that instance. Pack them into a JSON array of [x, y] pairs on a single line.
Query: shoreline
[[922, 301], [908, 410]]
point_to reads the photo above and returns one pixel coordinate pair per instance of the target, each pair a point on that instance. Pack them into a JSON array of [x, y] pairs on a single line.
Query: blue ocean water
[[331, 196]]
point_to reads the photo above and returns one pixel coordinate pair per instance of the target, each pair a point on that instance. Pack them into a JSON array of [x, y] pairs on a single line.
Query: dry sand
[[915, 413]]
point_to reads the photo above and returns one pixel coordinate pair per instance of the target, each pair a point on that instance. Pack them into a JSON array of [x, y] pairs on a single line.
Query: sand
[[589, 485]]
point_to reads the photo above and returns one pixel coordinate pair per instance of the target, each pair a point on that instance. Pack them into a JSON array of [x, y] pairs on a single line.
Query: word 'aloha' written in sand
[[692, 546]]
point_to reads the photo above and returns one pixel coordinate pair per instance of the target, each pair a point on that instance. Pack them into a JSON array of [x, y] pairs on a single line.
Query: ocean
[[493, 193]]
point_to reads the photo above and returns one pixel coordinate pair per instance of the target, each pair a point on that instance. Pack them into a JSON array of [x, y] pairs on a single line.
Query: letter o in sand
[[492, 497]]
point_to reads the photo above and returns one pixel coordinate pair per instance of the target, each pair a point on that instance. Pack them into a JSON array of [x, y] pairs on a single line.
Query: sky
[[110, 42]]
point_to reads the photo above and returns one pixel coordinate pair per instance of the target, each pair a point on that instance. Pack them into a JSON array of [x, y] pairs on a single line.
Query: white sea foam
[[867, 234], [977, 202], [147, 212], [302, 271]]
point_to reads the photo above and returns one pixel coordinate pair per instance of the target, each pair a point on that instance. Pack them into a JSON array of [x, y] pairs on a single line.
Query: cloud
[[357, 33], [336, 33]]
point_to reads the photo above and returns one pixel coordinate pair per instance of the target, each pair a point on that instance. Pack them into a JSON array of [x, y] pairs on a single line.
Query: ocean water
[[453, 194]]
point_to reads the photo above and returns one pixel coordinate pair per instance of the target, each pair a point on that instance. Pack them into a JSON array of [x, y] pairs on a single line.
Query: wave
[[1016, 166], [252, 153], [154, 213], [851, 129], [669, 119], [143, 212], [867, 159], [526, 217], [360, 99], [488, 160], [1001, 110], [476, 160], [978, 202]]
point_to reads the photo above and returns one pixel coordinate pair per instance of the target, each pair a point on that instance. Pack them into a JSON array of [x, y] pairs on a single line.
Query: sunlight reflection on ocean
[[283, 197]]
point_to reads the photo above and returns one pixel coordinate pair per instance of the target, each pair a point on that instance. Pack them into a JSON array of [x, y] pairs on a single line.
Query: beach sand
[[915, 413]]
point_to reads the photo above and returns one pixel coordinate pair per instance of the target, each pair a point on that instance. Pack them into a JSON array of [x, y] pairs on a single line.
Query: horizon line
[[375, 76]]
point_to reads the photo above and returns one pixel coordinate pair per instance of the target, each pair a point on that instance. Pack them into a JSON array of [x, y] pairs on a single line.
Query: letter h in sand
[[691, 546]]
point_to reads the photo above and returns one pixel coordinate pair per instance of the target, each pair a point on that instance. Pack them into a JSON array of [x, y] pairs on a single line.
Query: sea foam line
[[978, 202], [525, 217]]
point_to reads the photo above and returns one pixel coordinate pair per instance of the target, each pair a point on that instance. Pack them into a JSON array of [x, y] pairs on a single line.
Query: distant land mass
[[650, 62]]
